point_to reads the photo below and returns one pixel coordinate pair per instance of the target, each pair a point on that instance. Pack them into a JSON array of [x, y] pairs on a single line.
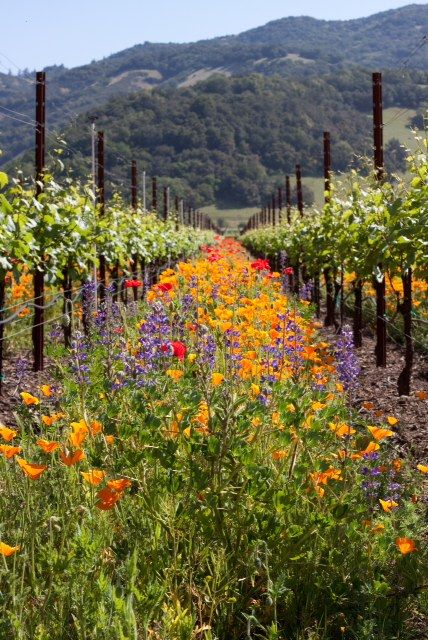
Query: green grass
[[396, 123]]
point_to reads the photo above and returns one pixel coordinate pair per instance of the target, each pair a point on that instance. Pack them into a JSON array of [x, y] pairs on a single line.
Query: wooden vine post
[[134, 204], [101, 205], [154, 195], [39, 274], [288, 198], [379, 280], [404, 379], [329, 286]]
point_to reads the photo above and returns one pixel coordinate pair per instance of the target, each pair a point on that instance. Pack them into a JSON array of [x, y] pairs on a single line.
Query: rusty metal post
[[327, 166], [154, 195], [299, 189], [279, 205], [379, 280], [38, 336], [288, 198], [134, 204], [273, 210], [101, 204]]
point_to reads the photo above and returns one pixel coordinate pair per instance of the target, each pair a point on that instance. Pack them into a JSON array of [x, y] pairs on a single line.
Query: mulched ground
[[376, 385], [379, 386], [18, 376]]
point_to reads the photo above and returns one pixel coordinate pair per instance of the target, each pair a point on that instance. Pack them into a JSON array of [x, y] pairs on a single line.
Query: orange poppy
[[280, 454], [119, 485], [405, 545], [6, 550], [32, 471], [48, 446], [422, 468], [216, 379], [50, 420], [7, 434], [95, 427], [107, 499], [380, 434], [341, 430], [29, 399], [47, 390], [80, 431], [93, 477], [391, 420], [74, 458], [9, 451], [388, 505]]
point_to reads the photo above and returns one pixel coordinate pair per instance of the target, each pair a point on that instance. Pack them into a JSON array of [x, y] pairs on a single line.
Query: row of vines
[[59, 236], [368, 233]]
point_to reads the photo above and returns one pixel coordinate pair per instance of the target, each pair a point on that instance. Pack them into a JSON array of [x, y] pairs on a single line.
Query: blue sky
[[37, 33]]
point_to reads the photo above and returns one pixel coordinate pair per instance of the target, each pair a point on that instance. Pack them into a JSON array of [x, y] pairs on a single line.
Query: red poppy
[[132, 284], [288, 271], [165, 286], [261, 265], [179, 350]]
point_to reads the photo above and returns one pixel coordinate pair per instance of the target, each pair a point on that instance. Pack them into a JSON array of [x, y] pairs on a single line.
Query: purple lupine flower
[[79, 358], [348, 368], [305, 292]]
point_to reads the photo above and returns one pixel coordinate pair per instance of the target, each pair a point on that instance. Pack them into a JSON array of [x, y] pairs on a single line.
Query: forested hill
[[227, 139]]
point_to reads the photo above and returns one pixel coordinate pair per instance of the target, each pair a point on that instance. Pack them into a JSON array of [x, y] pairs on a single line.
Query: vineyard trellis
[[56, 233], [370, 227]]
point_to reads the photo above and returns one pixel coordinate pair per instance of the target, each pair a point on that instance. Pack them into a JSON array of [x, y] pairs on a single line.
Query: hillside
[[292, 47]]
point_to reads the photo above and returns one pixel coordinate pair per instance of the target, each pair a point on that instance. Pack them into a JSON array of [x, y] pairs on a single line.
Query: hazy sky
[[37, 33]]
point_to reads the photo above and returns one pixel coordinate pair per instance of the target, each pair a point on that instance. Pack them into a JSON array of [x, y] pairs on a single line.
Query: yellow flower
[[217, 379], [28, 399], [422, 468], [255, 390], [391, 420], [47, 391], [192, 357], [175, 374], [388, 505]]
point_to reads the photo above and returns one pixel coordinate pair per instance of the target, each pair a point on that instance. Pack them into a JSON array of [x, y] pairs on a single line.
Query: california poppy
[[29, 399], [6, 550], [9, 450], [74, 458], [32, 471], [47, 390], [48, 446], [216, 379], [405, 545], [388, 505], [7, 434], [94, 476], [119, 485], [380, 434], [107, 499]]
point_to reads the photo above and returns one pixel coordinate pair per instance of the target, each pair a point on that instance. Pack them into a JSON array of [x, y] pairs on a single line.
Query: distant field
[[395, 126]]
